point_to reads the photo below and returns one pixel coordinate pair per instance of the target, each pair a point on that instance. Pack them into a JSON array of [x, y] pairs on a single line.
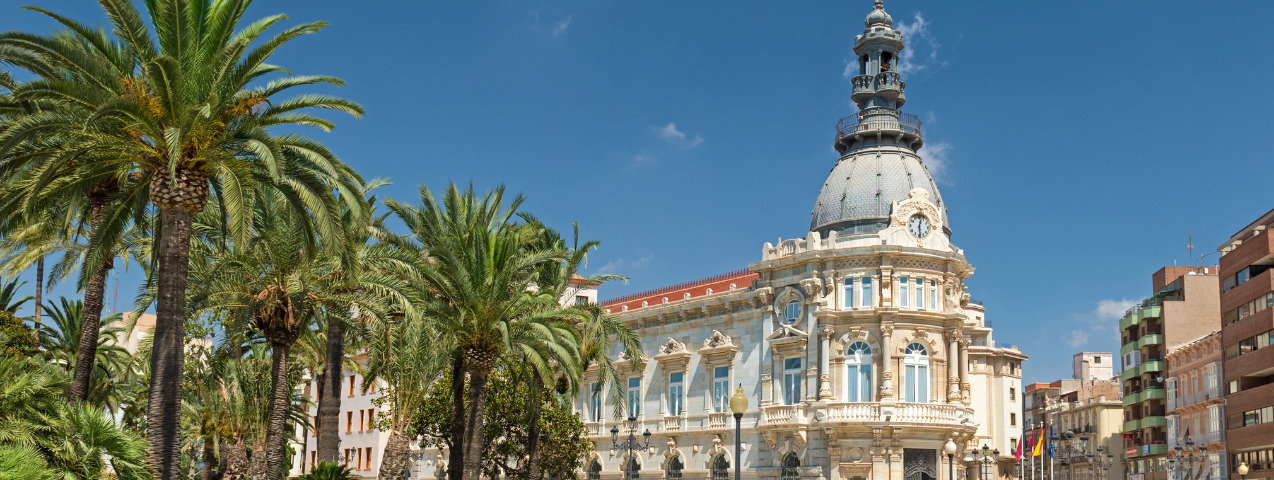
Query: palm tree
[[9, 300], [563, 281], [475, 278], [62, 341], [403, 353], [171, 106]]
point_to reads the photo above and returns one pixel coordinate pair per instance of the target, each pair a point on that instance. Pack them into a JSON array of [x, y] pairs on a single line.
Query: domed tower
[[878, 144]]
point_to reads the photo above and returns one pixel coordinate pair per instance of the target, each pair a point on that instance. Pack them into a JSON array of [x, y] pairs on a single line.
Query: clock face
[[918, 225]]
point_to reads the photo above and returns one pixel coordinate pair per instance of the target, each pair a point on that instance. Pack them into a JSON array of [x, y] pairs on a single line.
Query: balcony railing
[[878, 119], [718, 420], [854, 412], [595, 429], [1196, 397], [783, 414], [672, 423], [925, 413]]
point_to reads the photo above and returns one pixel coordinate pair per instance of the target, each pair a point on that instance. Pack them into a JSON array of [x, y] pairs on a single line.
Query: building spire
[[878, 88]]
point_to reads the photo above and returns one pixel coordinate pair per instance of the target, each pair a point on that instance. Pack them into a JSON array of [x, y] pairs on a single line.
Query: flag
[[1038, 443], [1050, 441], [1017, 450]]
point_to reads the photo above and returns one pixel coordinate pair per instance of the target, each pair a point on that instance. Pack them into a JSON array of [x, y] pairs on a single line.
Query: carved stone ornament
[[812, 285], [670, 453], [917, 202], [718, 349], [673, 346], [788, 341], [717, 450], [673, 356], [765, 295]]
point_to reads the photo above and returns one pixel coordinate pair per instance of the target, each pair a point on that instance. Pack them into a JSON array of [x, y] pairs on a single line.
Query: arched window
[[859, 380], [916, 365], [673, 472], [634, 469], [792, 312], [720, 468], [594, 470], [790, 465]]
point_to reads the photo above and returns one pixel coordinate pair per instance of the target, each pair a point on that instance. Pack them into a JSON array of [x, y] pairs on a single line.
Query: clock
[[918, 225]]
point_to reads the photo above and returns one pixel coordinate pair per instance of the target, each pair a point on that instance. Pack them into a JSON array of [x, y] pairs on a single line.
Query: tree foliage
[[563, 443]]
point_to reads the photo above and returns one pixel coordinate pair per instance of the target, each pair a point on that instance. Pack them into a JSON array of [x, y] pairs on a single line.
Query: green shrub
[[328, 471]]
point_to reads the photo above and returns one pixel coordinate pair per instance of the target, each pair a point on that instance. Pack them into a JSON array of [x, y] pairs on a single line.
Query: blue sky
[[1074, 142]]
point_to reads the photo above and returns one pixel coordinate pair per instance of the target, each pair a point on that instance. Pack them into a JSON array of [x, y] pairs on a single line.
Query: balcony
[[854, 412], [776, 415], [1148, 422], [1148, 309], [1148, 449], [1147, 339], [1145, 367], [901, 413], [595, 429], [719, 420], [888, 85], [672, 423], [1148, 393], [876, 119]]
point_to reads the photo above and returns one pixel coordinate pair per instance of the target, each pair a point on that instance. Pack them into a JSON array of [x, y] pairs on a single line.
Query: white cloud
[[922, 47], [676, 137], [642, 160], [936, 158], [561, 25], [1078, 338], [1109, 309], [622, 266]]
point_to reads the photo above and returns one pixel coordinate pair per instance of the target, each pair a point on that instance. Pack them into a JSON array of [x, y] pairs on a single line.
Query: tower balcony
[[887, 85], [874, 121]]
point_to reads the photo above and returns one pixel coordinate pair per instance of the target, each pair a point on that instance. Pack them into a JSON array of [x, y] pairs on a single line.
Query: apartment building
[[1195, 409], [1247, 293]]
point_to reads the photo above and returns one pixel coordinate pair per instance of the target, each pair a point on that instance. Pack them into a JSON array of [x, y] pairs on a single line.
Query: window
[[848, 299], [1012, 419], [634, 397], [349, 421], [594, 471], [348, 456], [919, 294], [720, 389], [1097, 360], [674, 393], [358, 459], [868, 298], [581, 300], [791, 380], [790, 468], [916, 365], [902, 292], [634, 469], [720, 468], [1012, 393], [859, 379], [361, 420], [933, 295], [595, 402], [792, 312], [371, 419], [367, 459], [673, 472], [351, 385]]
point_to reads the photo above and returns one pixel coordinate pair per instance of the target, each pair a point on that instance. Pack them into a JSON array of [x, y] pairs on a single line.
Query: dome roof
[[862, 187], [878, 16]]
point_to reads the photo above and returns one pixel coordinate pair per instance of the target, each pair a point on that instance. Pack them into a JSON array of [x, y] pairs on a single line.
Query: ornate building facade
[[857, 345]]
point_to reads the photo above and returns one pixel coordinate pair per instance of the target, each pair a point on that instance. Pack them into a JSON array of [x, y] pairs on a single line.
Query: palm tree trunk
[[393, 464], [236, 462], [281, 392], [163, 412], [456, 454], [478, 363], [258, 463], [39, 295], [328, 445], [535, 405], [94, 297], [209, 459]]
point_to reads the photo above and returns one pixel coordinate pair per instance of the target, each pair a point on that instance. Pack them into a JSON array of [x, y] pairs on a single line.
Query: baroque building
[[857, 345]]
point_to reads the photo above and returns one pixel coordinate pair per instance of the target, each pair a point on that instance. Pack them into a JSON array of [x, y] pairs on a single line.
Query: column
[[824, 362], [964, 370], [953, 367], [886, 361]]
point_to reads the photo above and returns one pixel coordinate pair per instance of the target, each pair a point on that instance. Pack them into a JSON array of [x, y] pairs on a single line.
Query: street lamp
[[738, 405], [950, 448], [630, 444], [988, 459], [1243, 470]]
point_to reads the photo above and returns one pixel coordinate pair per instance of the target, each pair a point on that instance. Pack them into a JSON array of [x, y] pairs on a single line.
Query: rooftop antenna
[[1190, 246]]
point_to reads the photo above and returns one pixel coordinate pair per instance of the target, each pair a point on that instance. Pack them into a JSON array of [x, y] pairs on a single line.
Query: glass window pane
[[849, 293], [868, 298], [902, 292]]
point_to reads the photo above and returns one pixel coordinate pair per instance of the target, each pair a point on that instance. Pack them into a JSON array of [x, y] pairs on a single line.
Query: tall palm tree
[[476, 280], [171, 105], [404, 354]]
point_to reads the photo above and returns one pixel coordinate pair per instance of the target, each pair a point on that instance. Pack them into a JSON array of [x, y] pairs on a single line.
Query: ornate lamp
[[950, 448], [738, 405]]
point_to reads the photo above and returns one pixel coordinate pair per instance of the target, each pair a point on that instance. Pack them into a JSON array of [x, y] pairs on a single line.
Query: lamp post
[[1242, 470], [738, 405], [988, 459], [630, 444], [1188, 458], [950, 448]]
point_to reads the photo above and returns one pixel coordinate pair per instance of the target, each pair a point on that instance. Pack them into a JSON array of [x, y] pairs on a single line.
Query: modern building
[[1247, 293], [1196, 410], [1184, 307], [856, 344]]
